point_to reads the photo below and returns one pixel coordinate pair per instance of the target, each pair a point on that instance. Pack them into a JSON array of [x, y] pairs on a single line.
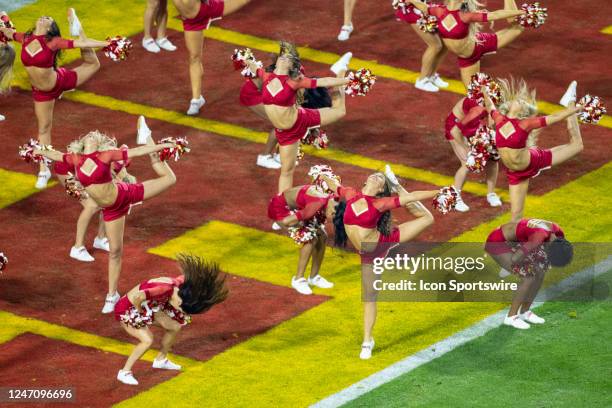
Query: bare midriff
[[515, 159], [282, 117], [463, 47], [104, 195], [43, 79], [358, 235]]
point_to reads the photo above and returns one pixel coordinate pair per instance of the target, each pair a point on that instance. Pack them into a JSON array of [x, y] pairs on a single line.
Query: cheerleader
[[197, 16], [92, 157], [78, 251], [167, 302], [40, 52], [347, 26], [511, 244], [461, 124], [429, 79], [305, 205], [516, 126], [156, 13], [364, 218], [280, 89], [7, 59], [459, 29]]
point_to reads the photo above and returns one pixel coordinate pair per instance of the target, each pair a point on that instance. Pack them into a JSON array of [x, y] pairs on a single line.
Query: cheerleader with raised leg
[[364, 218]]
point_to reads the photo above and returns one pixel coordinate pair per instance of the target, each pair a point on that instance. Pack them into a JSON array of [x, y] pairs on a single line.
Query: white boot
[[126, 377], [144, 133], [570, 95], [195, 105], [301, 285], [101, 243], [165, 364], [345, 32], [81, 254], [110, 302], [494, 200], [342, 64], [165, 44], [437, 80], [43, 178], [516, 322], [366, 349], [425, 85], [75, 24], [531, 317], [320, 282]]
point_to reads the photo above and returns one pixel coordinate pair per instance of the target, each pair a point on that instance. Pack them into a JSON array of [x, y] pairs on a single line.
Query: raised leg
[[338, 108], [234, 5], [165, 180], [90, 64], [565, 152]]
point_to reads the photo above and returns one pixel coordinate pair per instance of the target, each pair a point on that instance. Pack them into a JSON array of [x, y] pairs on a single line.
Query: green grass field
[[566, 362]]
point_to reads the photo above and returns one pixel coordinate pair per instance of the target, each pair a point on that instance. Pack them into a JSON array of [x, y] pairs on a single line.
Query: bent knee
[[115, 252]]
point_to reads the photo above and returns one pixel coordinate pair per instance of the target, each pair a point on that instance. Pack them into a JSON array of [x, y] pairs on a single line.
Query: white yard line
[[450, 343], [12, 5]]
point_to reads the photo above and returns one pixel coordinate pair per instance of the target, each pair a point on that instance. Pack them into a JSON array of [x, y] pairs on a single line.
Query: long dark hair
[[53, 32], [384, 222], [203, 287], [340, 237], [317, 98]]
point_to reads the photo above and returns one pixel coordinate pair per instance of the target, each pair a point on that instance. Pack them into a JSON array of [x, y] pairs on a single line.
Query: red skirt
[[540, 159], [306, 120], [278, 208], [209, 11], [486, 44], [66, 81], [128, 195]]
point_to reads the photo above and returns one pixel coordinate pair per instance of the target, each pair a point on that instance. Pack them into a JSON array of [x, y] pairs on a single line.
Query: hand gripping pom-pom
[[319, 170], [396, 4], [240, 59], [535, 262], [361, 82], [534, 15], [482, 149], [74, 188], [479, 80], [118, 49], [3, 261], [5, 22], [26, 152], [428, 24], [317, 138], [182, 147], [593, 109], [176, 314], [445, 200], [308, 230]]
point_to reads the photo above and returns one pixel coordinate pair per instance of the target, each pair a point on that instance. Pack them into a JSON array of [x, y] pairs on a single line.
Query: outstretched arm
[[8, 32], [419, 5], [415, 197], [333, 184], [148, 149], [562, 115], [88, 43], [49, 154], [504, 14], [330, 82]]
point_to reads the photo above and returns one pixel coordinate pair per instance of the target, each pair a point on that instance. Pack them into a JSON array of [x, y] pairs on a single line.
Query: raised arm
[[148, 149], [562, 115], [406, 198], [10, 33], [503, 14], [330, 82], [50, 154], [419, 5], [332, 184], [89, 43]]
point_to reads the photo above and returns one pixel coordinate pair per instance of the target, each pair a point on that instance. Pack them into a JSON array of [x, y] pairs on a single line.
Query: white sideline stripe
[[450, 343], [12, 5]]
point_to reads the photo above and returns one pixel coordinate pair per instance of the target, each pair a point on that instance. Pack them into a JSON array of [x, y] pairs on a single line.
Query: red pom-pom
[[118, 49], [445, 200], [176, 314], [593, 109], [535, 262], [5, 22], [319, 170], [3, 261], [240, 59], [134, 318], [317, 138], [361, 82], [182, 147], [399, 4], [428, 23], [479, 80], [26, 152], [307, 230], [74, 188], [534, 15], [482, 149]]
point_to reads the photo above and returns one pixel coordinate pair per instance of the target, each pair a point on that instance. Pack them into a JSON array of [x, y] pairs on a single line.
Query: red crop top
[[513, 133], [474, 117], [281, 89], [455, 24], [363, 210], [38, 52], [310, 200], [94, 168], [531, 233], [161, 291]]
